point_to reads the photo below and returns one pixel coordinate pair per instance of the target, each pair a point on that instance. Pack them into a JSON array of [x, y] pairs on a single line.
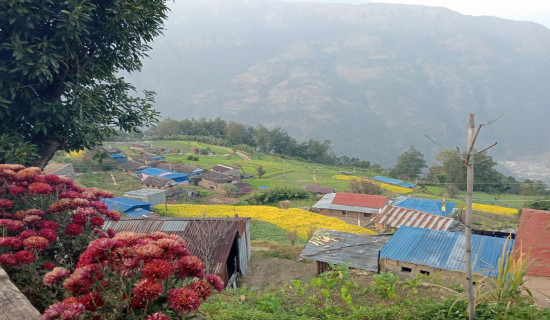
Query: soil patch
[[219, 199], [264, 272]]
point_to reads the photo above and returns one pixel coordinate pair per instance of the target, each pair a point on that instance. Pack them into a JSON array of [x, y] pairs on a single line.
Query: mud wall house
[[335, 247], [133, 166], [13, 304], [230, 171], [346, 205], [180, 168], [395, 217], [225, 240], [129, 207], [159, 182], [439, 207], [533, 243], [412, 251], [213, 180], [153, 196]]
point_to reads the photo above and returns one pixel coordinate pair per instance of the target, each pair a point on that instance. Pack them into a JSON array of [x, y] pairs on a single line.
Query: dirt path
[[243, 156]]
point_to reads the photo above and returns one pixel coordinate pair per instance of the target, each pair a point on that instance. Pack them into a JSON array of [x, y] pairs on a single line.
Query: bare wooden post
[[468, 236]]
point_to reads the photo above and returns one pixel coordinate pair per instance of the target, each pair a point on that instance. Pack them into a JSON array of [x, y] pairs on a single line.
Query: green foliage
[[260, 170], [364, 186], [59, 65], [409, 165], [540, 204], [14, 149], [385, 284], [277, 194]]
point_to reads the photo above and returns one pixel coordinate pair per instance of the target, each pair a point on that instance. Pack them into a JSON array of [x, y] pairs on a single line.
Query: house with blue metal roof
[[412, 251], [396, 182], [119, 157], [427, 205], [129, 207]]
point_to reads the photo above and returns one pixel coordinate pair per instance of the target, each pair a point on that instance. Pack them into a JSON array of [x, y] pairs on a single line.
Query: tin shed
[[154, 196]]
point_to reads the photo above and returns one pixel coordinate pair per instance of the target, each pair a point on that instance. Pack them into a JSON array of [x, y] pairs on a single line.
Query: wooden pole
[[468, 236]]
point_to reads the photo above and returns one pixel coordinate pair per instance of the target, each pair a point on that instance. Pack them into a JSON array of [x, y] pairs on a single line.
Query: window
[[405, 269], [344, 212], [425, 272], [365, 215]]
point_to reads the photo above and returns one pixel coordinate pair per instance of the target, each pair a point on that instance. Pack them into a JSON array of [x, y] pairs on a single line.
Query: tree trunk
[[46, 154]]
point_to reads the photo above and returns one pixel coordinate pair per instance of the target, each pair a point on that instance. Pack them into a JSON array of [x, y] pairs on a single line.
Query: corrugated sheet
[[145, 192], [125, 204], [360, 200], [534, 237], [396, 182], [444, 249], [396, 217], [153, 171], [426, 205], [326, 203], [359, 251], [189, 229]]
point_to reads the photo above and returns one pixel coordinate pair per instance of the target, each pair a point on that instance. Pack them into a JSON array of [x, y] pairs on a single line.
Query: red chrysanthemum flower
[[27, 234], [28, 173], [190, 266], [202, 287], [111, 233], [80, 219], [60, 206], [97, 221], [149, 251], [32, 221], [157, 316], [71, 300], [92, 301], [62, 310], [49, 234], [15, 226], [216, 281], [147, 289], [15, 189], [40, 188], [99, 205], [35, 243], [69, 194], [48, 224], [6, 204], [73, 230], [25, 257], [52, 178], [48, 265], [35, 212], [157, 269], [82, 278], [55, 275], [12, 242], [87, 212], [184, 299], [112, 215], [9, 260]]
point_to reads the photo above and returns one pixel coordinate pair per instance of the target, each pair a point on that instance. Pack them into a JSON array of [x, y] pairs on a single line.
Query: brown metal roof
[[178, 167], [396, 217], [216, 177], [220, 230], [534, 237]]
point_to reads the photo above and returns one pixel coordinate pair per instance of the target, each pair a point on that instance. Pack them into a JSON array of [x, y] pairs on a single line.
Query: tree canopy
[[59, 65], [409, 165]]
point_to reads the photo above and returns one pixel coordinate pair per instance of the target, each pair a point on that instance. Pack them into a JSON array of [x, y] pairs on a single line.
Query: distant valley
[[373, 78]]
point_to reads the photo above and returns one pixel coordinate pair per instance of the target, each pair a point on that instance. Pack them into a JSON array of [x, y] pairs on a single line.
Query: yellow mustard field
[[493, 209], [385, 186], [288, 219]]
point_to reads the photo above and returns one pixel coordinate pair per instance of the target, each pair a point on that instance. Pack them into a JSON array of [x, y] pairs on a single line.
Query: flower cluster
[[156, 268], [290, 219], [46, 221], [385, 186], [494, 209]]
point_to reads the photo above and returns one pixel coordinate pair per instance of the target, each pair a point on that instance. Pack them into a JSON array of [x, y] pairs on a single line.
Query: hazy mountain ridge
[[372, 78]]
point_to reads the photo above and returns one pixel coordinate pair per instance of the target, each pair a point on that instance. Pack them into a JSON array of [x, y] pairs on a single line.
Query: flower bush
[[46, 221], [293, 219], [132, 276]]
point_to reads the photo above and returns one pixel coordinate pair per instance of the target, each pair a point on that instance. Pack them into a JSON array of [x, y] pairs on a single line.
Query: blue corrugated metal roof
[[426, 205], [176, 176], [397, 182], [118, 155], [157, 158], [125, 204], [445, 250], [137, 212], [153, 171]]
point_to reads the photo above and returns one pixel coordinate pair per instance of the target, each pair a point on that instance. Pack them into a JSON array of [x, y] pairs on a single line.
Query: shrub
[[133, 276], [277, 194], [47, 222]]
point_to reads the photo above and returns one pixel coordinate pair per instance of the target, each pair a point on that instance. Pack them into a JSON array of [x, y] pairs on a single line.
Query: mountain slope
[[372, 78]]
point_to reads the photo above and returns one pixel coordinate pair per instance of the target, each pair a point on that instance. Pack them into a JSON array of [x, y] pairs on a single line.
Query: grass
[[104, 180], [261, 231]]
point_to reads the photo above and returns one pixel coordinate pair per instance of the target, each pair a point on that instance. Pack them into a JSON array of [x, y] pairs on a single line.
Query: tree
[[59, 65], [409, 165], [260, 170], [364, 187]]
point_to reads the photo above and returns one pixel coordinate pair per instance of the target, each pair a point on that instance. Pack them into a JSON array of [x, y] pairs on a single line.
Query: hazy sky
[[524, 10]]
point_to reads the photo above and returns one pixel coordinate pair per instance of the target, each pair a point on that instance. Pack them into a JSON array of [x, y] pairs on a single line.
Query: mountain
[[373, 78]]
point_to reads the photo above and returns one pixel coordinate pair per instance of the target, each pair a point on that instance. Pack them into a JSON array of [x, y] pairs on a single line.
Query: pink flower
[[60, 206], [184, 299], [14, 189], [35, 243], [63, 311], [99, 205], [69, 194], [28, 173], [9, 260], [73, 230], [147, 289], [149, 251], [6, 204], [49, 234], [82, 278], [35, 212], [157, 269], [55, 275], [112, 215], [157, 316], [190, 266], [50, 225], [97, 221], [27, 234], [216, 281], [15, 226], [25, 257], [202, 287], [32, 221], [40, 188], [87, 212]]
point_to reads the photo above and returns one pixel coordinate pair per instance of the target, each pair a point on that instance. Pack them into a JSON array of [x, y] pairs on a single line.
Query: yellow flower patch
[[385, 186], [290, 219], [493, 209]]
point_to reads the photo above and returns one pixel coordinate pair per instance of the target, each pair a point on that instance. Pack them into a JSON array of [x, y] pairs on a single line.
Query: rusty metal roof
[[219, 233], [396, 217], [533, 237], [360, 200]]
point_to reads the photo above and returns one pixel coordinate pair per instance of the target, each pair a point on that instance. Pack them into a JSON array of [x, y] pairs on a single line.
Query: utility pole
[[468, 160]]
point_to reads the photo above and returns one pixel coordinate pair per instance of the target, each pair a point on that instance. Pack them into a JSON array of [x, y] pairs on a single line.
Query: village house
[[128, 207], [159, 182], [212, 180], [533, 241], [395, 182], [222, 243], [133, 166], [358, 207], [412, 251], [180, 168], [394, 217], [335, 247], [153, 196], [230, 171], [438, 207]]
